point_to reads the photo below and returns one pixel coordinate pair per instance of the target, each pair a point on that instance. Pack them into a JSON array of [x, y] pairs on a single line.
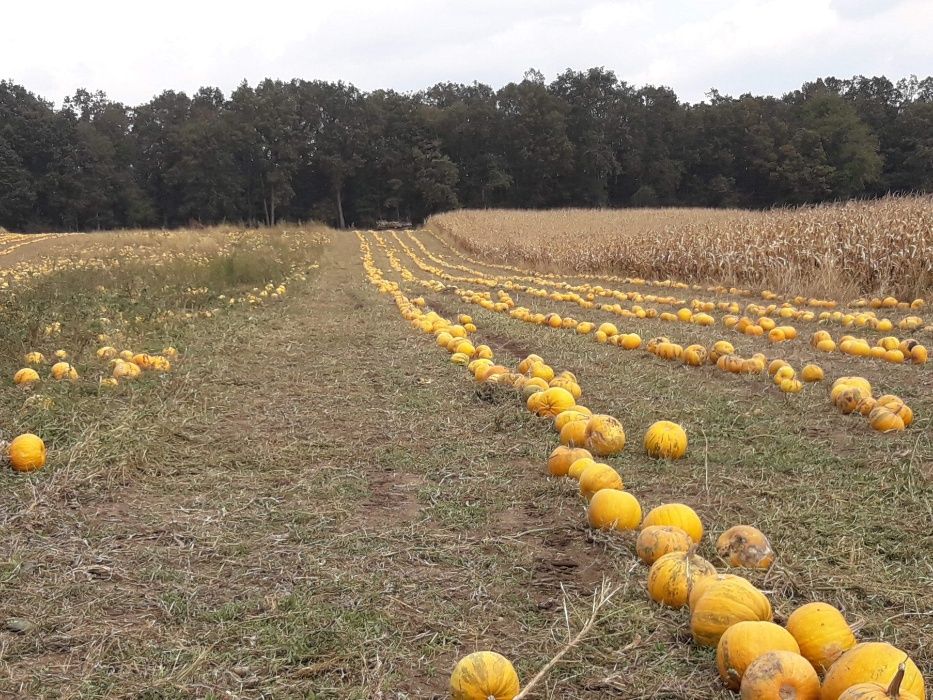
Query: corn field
[[854, 248]]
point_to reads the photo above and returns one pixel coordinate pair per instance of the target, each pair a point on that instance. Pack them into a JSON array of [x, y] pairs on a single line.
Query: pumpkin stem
[[894, 690]]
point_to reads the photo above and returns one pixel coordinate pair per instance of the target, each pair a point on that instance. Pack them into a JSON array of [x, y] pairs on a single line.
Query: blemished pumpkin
[[871, 662], [700, 587], [605, 436], [877, 691], [723, 604], [35, 358], [568, 416], [62, 371], [26, 453], [673, 575], [562, 457], [745, 546], [574, 433], [821, 632], [744, 642], [666, 440], [611, 509], [484, 675], [897, 406], [25, 376], [106, 353], [655, 541], [678, 515], [885, 421], [597, 477], [780, 675]]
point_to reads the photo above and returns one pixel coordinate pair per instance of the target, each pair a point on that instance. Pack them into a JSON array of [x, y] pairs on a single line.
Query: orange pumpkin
[[744, 642], [673, 575], [597, 477], [871, 662], [612, 509], [780, 675], [822, 633], [655, 541], [876, 691], [562, 457], [723, 604], [678, 515], [604, 436]]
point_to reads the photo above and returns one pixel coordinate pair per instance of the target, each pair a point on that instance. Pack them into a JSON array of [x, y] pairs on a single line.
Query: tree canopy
[[312, 149]]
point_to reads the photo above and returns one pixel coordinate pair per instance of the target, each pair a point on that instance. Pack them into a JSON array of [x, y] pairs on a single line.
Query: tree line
[[328, 151]]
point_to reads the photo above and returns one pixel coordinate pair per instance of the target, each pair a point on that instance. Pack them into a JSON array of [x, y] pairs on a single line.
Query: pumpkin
[[655, 541], [108, 382], [720, 348], [673, 575], [27, 375], [26, 453], [844, 383], [812, 373], [827, 345], [871, 662], [695, 355], [785, 372], [604, 436], [678, 515], [897, 406], [525, 364], [608, 329], [818, 337], [35, 358], [780, 675], [631, 341], [723, 604], [551, 402], [918, 354], [170, 352], [574, 433], [745, 546], [578, 466], [599, 476], [702, 585], [570, 415], [822, 633], [542, 371], [849, 399], [484, 675], [62, 370], [666, 440], [106, 353], [884, 420], [775, 365], [458, 358], [565, 381], [562, 457], [791, 386], [876, 691], [126, 355], [611, 509], [744, 642]]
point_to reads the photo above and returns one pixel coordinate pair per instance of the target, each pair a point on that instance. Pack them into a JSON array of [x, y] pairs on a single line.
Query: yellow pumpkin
[[744, 642], [35, 358], [655, 541], [897, 406], [562, 457], [553, 401], [871, 662], [597, 477], [26, 453], [525, 364], [695, 355], [106, 353], [678, 515], [812, 373], [721, 348], [579, 465], [565, 381], [27, 375], [876, 691], [780, 675], [570, 415], [608, 329], [457, 358], [484, 675], [885, 421], [604, 436], [723, 604], [745, 546], [821, 632], [673, 575], [611, 509], [62, 370], [126, 355], [666, 440], [918, 354], [574, 433], [542, 371], [702, 585]]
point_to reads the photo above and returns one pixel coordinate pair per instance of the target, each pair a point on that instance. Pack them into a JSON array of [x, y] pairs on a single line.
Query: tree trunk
[[272, 199], [340, 209]]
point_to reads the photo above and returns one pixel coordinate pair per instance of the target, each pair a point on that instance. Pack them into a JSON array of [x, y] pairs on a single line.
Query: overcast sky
[[737, 46]]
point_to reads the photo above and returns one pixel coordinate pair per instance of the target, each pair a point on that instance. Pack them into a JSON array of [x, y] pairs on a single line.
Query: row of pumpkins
[[721, 353], [124, 364], [764, 324], [754, 655], [787, 310]]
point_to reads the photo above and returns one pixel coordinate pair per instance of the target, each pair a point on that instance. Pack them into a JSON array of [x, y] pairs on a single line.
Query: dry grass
[[883, 246]]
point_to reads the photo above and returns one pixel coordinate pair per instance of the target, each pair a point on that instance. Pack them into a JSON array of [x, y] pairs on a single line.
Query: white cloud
[[759, 46]]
